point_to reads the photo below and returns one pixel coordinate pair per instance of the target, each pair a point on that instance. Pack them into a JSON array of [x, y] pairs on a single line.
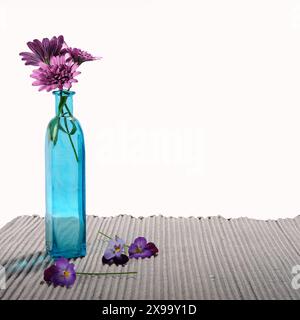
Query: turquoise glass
[[65, 182]]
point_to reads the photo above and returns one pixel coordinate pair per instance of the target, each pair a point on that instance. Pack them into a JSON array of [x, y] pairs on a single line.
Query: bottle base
[[67, 254]]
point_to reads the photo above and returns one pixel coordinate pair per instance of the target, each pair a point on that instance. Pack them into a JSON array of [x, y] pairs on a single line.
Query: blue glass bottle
[[65, 182]]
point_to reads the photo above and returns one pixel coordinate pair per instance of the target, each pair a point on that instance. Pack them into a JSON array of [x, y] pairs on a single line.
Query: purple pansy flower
[[115, 252], [42, 51], [61, 273], [78, 56], [59, 74], [141, 249]]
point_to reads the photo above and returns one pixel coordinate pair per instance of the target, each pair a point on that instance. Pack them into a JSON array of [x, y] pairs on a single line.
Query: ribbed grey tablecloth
[[199, 258]]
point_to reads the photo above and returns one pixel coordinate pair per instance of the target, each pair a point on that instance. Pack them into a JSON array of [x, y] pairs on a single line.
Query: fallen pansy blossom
[[115, 252], [62, 273], [141, 249]]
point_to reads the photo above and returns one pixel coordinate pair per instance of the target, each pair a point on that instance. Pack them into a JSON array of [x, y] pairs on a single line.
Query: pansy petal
[[120, 260], [62, 263], [140, 242], [69, 281], [152, 247], [111, 244], [132, 248], [146, 254], [120, 241], [58, 279], [119, 253], [143, 254], [106, 261], [71, 268], [49, 273], [109, 254]]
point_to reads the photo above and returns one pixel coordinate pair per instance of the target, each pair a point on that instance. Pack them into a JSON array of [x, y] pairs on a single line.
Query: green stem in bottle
[[70, 113], [70, 138], [56, 125]]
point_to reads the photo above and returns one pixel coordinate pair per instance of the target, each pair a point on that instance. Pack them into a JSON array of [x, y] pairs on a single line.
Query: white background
[[193, 110]]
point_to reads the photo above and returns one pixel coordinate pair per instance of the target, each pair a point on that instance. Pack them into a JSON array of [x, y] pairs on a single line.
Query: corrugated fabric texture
[[199, 258]]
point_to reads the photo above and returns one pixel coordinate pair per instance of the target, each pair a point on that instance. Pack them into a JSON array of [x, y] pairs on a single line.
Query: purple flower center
[[138, 250], [118, 248], [67, 274]]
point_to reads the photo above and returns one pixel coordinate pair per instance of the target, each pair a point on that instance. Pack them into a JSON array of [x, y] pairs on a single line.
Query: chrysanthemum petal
[[43, 51], [58, 74], [79, 56]]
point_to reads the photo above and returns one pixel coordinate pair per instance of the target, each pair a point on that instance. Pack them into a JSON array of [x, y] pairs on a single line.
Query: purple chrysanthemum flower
[[59, 74], [78, 56], [141, 249], [115, 252], [61, 273], [42, 51]]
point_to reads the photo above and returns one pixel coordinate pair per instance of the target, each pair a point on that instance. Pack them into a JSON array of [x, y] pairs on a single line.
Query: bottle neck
[[63, 102]]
